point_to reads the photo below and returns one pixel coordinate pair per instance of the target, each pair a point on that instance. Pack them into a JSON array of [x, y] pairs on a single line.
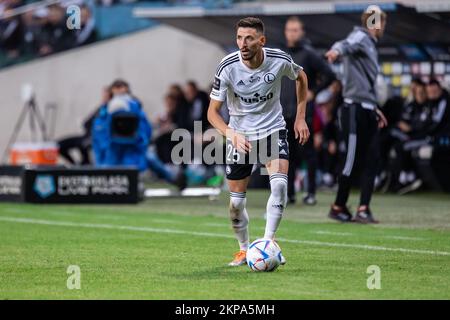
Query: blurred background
[[166, 52]]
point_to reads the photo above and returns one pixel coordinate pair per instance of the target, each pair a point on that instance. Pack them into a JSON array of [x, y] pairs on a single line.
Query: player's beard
[[249, 55]]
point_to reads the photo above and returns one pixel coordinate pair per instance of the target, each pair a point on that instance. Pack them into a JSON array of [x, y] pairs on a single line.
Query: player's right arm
[[216, 120], [218, 96]]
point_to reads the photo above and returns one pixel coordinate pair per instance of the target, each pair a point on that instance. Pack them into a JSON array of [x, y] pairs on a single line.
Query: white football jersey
[[253, 95]]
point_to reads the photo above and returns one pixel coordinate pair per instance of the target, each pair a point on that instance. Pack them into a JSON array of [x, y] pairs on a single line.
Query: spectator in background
[[165, 124], [320, 76], [424, 121], [411, 119], [439, 101], [182, 116], [199, 102], [327, 139], [412, 125], [11, 33], [392, 109], [82, 143], [54, 35], [412, 87], [32, 24]]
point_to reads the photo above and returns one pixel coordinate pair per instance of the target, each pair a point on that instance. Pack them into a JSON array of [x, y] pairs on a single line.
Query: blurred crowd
[[419, 121], [42, 30], [151, 148], [422, 119], [172, 2], [417, 124]]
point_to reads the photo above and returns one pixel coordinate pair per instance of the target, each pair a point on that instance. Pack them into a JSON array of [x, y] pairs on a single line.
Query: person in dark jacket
[[11, 35], [411, 125], [426, 121], [82, 143], [439, 100], [199, 102], [320, 76], [55, 36]]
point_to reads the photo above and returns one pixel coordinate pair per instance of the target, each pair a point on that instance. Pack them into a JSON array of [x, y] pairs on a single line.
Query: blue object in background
[[112, 150]]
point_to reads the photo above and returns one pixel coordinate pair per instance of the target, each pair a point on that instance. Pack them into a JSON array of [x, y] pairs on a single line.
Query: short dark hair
[[418, 81], [119, 83], [251, 22], [192, 84], [434, 81]]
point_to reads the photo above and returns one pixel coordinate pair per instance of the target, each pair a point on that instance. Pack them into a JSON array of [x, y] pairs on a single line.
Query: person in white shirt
[[250, 81]]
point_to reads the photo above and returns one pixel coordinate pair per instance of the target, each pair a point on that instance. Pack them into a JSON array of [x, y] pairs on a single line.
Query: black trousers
[[80, 143], [297, 153], [360, 132]]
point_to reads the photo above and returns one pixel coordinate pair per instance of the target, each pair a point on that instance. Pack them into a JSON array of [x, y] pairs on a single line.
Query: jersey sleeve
[[219, 87], [291, 69]]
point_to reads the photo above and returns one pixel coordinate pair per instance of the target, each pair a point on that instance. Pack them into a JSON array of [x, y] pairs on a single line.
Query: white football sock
[[276, 203], [239, 218]]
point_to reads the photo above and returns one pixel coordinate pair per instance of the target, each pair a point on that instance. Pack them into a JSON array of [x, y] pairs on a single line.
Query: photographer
[[121, 132]]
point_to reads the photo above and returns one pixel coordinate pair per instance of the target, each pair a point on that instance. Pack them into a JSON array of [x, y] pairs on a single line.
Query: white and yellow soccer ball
[[263, 255]]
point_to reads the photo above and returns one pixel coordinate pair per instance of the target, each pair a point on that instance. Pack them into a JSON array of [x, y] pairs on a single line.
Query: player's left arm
[[300, 127]]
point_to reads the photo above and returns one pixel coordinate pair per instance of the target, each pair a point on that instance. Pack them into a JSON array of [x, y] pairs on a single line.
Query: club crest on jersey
[[269, 77], [255, 98]]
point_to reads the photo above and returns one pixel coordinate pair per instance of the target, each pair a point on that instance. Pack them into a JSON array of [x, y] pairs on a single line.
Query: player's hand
[[332, 55], [240, 142], [382, 121], [301, 131]]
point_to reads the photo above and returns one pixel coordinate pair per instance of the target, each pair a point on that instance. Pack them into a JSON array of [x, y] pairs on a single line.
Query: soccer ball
[[263, 255]]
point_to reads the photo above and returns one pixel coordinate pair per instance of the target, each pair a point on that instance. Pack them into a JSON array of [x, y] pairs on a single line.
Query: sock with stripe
[[239, 218], [276, 203]]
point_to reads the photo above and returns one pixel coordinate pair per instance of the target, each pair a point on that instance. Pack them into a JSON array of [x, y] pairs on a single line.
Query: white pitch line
[[165, 221], [345, 234], [111, 226], [215, 235], [215, 224], [333, 233], [225, 225], [404, 238]]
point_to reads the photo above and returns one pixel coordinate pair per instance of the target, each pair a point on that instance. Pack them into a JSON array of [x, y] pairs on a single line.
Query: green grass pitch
[[179, 249]]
